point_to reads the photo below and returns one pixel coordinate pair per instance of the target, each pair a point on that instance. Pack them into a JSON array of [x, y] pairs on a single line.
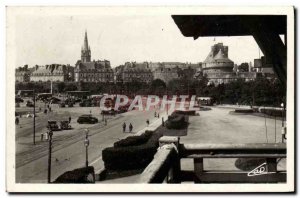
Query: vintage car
[[87, 119], [65, 125], [109, 112], [18, 100], [52, 125], [29, 103], [85, 103]]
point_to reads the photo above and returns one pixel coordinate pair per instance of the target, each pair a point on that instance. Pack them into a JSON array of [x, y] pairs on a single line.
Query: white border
[[10, 134]]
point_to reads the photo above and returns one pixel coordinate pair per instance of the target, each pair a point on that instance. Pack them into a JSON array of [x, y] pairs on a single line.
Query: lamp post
[[86, 144], [50, 133], [33, 117], [282, 124]]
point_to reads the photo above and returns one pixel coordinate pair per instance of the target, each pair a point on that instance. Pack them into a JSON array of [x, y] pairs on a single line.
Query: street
[[68, 146]]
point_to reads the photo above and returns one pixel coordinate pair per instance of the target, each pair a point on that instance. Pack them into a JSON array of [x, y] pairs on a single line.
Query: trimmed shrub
[[187, 112], [131, 157], [272, 112], [80, 175], [176, 121], [128, 158], [134, 140], [244, 110]]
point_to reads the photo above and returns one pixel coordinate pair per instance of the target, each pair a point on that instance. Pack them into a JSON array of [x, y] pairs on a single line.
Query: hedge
[[244, 110], [176, 121], [80, 175], [272, 112], [134, 140], [187, 112], [131, 157]]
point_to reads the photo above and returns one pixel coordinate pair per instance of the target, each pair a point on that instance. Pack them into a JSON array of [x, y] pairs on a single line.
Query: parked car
[[52, 125], [85, 103], [29, 103], [65, 125], [18, 100], [55, 100], [108, 112], [87, 119], [62, 105]]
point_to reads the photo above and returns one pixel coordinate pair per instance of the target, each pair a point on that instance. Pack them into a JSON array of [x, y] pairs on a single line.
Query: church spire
[[86, 43], [85, 51]]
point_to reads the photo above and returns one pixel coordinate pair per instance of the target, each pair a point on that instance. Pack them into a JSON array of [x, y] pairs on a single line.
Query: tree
[[61, 87], [157, 87], [244, 67]]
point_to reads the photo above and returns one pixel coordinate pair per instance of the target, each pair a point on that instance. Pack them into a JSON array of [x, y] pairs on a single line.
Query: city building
[[53, 72], [22, 74], [133, 71], [166, 74], [263, 67], [92, 71]]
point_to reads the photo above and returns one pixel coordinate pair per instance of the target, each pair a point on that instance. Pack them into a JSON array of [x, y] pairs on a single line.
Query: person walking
[[124, 127], [105, 121], [163, 121], [158, 115], [17, 121], [147, 122], [130, 127], [70, 119], [155, 114]]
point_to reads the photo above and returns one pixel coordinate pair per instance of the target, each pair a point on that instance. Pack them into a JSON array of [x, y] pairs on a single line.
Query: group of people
[[130, 127], [147, 122]]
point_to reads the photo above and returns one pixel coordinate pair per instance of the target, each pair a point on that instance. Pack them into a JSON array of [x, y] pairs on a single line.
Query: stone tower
[[85, 50]]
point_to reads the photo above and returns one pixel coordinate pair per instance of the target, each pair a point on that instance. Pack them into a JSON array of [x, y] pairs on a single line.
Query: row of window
[[96, 75], [137, 76], [95, 80], [47, 74]]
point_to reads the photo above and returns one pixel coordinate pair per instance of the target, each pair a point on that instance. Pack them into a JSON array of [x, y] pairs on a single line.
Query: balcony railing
[[165, 166]]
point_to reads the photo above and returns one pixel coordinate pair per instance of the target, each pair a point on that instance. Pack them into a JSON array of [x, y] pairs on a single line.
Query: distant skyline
[[58, 39]]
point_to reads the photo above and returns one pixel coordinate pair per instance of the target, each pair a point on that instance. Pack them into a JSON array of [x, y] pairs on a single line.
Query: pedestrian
[[105, 121], [155, 114], [70, 119], [124, 127], [130, 127], [163, 121], [17, 121], [42, 137], [90, 111], [158, 115], [147, 122]]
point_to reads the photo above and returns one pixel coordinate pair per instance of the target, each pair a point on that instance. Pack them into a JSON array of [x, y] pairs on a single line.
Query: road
[[220, 125], [68, 146]]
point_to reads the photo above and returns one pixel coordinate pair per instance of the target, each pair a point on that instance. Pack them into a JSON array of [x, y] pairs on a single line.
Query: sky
[[47, 39]]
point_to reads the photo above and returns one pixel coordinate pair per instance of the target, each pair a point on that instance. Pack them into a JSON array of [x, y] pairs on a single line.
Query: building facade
[[22, 74], [166, 74], [133, 71], [92, 71], [54, 72]]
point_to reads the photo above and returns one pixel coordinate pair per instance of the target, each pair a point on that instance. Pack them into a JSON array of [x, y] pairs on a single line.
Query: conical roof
[[222, 57], [209, 58]]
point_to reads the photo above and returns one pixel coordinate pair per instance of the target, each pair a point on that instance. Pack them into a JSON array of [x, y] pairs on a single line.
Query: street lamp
[[282, 124], [86, 144], [50, 133]]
